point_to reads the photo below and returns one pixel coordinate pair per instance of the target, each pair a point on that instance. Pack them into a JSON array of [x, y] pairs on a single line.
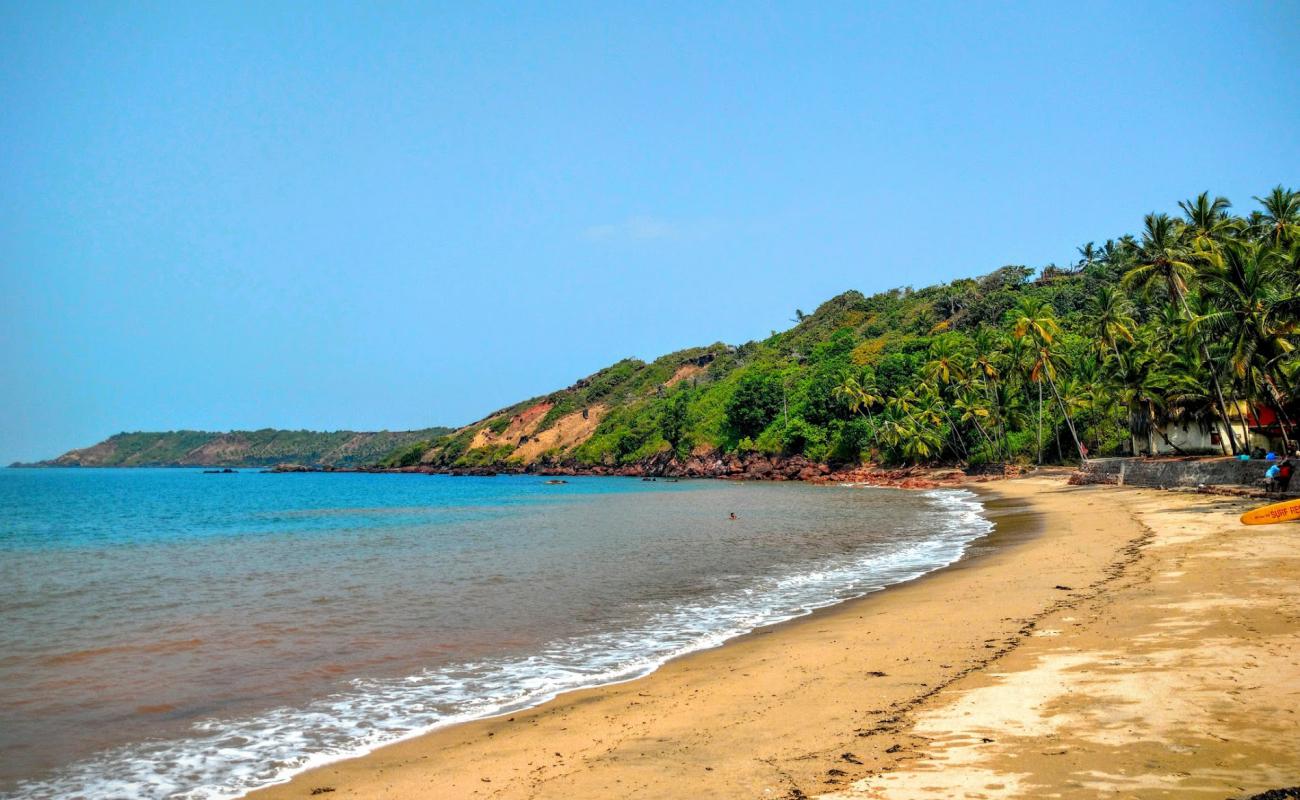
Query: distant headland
[[260, 448]]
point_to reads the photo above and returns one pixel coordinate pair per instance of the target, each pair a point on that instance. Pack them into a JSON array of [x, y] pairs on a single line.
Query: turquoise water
[[169, 633]]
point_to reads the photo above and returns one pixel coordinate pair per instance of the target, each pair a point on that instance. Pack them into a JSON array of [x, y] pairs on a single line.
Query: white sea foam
[[228, 758]]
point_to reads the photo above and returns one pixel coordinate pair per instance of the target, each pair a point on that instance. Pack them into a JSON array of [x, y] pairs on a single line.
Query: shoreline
[[883, 696], [1015, 523], [1008, 524]]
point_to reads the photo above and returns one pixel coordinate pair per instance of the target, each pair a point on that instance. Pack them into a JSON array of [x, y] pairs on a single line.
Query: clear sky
[[387, 215]]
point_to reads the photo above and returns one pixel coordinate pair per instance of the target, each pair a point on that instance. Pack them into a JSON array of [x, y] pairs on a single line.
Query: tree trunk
[[1180, 451], [1040, 423], [1069, 422], [956, 432], [1002, 428], [983, 433], [1218, 395], [1214, 374], [1245, 427], [1282, 421], [1132, 429]]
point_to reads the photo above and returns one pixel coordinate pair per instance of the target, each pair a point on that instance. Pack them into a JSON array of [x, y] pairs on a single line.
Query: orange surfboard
[[1285, 511]]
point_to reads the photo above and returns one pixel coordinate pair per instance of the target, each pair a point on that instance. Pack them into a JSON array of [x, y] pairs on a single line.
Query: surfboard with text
[[1285, 511]]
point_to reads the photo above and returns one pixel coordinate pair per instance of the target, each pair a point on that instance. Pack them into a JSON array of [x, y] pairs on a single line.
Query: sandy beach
[[1102, 642]]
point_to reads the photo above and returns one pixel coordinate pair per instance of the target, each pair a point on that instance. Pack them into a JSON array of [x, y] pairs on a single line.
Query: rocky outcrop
[[710, 465], [724, 466], [761, 467]]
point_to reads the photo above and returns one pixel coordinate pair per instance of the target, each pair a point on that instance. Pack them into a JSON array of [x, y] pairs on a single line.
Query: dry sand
[[1103, 642]]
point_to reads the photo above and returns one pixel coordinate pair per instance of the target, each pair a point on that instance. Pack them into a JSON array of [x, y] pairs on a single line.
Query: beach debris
[[838, 773], [1065, 588], [851, 758], [1291, 793], [322, 790], [893, 748], [875, 673]]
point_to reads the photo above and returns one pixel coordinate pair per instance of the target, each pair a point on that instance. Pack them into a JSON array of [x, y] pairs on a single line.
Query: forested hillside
[[244, 448], [1168, 326]]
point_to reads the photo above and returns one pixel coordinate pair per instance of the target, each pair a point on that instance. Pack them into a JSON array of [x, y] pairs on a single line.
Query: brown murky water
[[169, 633]]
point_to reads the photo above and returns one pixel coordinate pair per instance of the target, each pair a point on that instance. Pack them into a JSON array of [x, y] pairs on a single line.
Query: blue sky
[[316, 215]]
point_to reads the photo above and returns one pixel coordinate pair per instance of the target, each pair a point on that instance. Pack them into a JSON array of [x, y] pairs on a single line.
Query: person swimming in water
[[733, 515]]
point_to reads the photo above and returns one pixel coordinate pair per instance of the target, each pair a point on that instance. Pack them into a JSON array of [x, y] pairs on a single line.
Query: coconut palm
[[1111, 318], [1035, 321], [1249, 295], [949, 358], [1164, 261], [1088, 255], [1206, 223], [859, 396], [1279, 221], [972, 411], [1139, 382], [986, 356]]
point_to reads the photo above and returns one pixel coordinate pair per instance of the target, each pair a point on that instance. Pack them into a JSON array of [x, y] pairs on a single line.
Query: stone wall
[[1165, 472]]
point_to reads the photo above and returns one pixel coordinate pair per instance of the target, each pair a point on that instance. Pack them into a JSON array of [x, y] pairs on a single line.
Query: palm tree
[[1206, 222], [1164, 261], [859, 396], [970, 410], [1088, 255], [1035, 320], [922, 443], [986, 355], [1279, 222], [1140, 381], [1248, 293], [948, 360], [1111, 318]]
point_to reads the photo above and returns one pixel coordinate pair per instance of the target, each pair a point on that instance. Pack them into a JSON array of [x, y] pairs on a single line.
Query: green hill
[[259, 448], [1145, 332]]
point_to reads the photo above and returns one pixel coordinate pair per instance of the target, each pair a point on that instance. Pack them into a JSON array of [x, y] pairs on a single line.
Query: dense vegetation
[[1171, 326], [246, 448]]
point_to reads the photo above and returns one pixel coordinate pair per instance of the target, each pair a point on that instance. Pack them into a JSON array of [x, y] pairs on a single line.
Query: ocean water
[[169, 633]]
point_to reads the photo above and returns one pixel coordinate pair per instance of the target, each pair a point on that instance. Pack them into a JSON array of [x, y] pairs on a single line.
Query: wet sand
[[1101, 642]]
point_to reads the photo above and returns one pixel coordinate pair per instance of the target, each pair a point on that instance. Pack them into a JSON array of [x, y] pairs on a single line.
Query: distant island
[[260, 448]]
